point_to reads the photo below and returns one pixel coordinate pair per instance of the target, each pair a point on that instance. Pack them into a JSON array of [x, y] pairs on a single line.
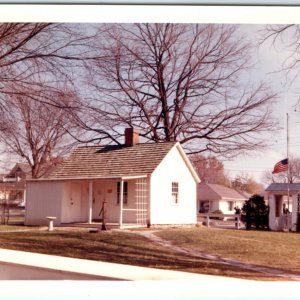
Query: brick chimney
[[131, 137]]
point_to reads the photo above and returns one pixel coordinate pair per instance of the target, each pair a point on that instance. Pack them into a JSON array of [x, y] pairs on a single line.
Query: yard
[[271, 249]]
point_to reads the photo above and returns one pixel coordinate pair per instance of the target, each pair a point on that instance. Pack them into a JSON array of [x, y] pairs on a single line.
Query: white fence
[[213, 219], [11, 215]]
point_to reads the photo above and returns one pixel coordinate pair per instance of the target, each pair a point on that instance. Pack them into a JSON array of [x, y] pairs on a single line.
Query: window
[[230, 205], [204, 207], [175, 192], [125, 192]]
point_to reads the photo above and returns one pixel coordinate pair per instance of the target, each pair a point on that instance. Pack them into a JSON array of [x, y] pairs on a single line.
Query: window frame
[[230, 205], [125, 192], [175, 192]]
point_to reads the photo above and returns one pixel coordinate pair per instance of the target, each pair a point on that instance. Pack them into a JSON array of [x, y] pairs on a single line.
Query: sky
[[268, 67], [269, 59]]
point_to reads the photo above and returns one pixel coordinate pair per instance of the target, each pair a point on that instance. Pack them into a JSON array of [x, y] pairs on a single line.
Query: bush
[[217, 212], [255, 213]]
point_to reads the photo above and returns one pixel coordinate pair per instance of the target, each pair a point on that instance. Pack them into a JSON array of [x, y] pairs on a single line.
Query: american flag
[[281, 166]]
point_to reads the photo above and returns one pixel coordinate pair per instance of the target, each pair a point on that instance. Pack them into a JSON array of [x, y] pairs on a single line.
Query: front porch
[[112, 202], [284, 206]]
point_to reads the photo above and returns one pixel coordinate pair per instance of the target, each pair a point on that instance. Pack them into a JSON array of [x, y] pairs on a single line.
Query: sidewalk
[[19, 265]]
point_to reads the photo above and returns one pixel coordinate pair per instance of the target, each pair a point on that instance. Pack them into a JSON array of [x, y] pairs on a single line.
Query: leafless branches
[[175, 82], [285, 38], [294, 173], [39, 67], [210, 169], [36, 58], [35, 132], [179, 82]]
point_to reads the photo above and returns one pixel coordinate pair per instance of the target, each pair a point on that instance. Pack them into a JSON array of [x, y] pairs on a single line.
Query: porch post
[[272, 212], [24, 196], [121, 202], [90, 211], [294, 212]]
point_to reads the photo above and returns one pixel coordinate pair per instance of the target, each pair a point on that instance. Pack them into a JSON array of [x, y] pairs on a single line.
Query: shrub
[[255, 213], [217, 212]]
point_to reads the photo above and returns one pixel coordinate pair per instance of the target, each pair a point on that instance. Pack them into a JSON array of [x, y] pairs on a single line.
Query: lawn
[[279, 250], [129, 248]]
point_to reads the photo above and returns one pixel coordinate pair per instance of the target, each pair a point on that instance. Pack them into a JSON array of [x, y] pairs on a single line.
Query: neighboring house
[[245, 194], [12, 185], [278, 199], [135, 183], [212, 197]]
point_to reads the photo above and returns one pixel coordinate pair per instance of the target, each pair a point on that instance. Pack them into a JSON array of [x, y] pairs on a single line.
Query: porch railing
[[285, 222]]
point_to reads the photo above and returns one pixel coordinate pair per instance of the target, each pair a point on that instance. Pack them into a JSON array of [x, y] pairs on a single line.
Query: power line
[[246, 170]]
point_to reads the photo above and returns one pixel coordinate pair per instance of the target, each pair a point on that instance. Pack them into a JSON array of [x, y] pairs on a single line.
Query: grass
[[279, 250], [129, 248], [14, 228]]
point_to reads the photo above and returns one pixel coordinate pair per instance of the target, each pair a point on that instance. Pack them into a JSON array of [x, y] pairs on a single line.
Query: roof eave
[[89, 178], [187, 162]]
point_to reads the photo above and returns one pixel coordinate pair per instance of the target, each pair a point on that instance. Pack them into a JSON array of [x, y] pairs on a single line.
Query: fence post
[[238, 221], [207, 219]]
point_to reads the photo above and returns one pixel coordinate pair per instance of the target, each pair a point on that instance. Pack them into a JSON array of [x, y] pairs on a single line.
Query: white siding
[[73, 197], [274, 221], [43, 199], [224, 205], [214, 205], [106, 190], [163, 211]]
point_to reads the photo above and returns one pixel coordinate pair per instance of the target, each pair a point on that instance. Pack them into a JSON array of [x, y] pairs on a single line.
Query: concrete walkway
[[20, 265], [216, 258]]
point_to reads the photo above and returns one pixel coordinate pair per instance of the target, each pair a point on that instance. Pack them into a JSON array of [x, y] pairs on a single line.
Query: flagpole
[[288, 152]]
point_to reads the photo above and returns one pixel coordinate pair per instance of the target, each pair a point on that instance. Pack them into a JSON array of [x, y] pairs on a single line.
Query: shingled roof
[[112, 161], [283, 187], [226, 193], [220, 192]]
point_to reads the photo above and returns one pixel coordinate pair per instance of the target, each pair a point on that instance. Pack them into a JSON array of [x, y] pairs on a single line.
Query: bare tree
[[40, 64], [35, 132], [210, 169], [245, 182], [285, 37], [292, 176], [36, 58], [178, 82]]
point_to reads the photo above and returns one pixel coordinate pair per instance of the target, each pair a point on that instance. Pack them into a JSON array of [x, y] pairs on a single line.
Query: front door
[[98, 196], [102, 200], [75, 202]]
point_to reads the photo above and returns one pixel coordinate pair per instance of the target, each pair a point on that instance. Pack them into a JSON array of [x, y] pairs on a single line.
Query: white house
[[135, 183], [12, 185], [212, 197], [276, 195]]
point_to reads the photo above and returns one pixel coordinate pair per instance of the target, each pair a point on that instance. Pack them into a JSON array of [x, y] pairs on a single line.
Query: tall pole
[[288, 153]]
